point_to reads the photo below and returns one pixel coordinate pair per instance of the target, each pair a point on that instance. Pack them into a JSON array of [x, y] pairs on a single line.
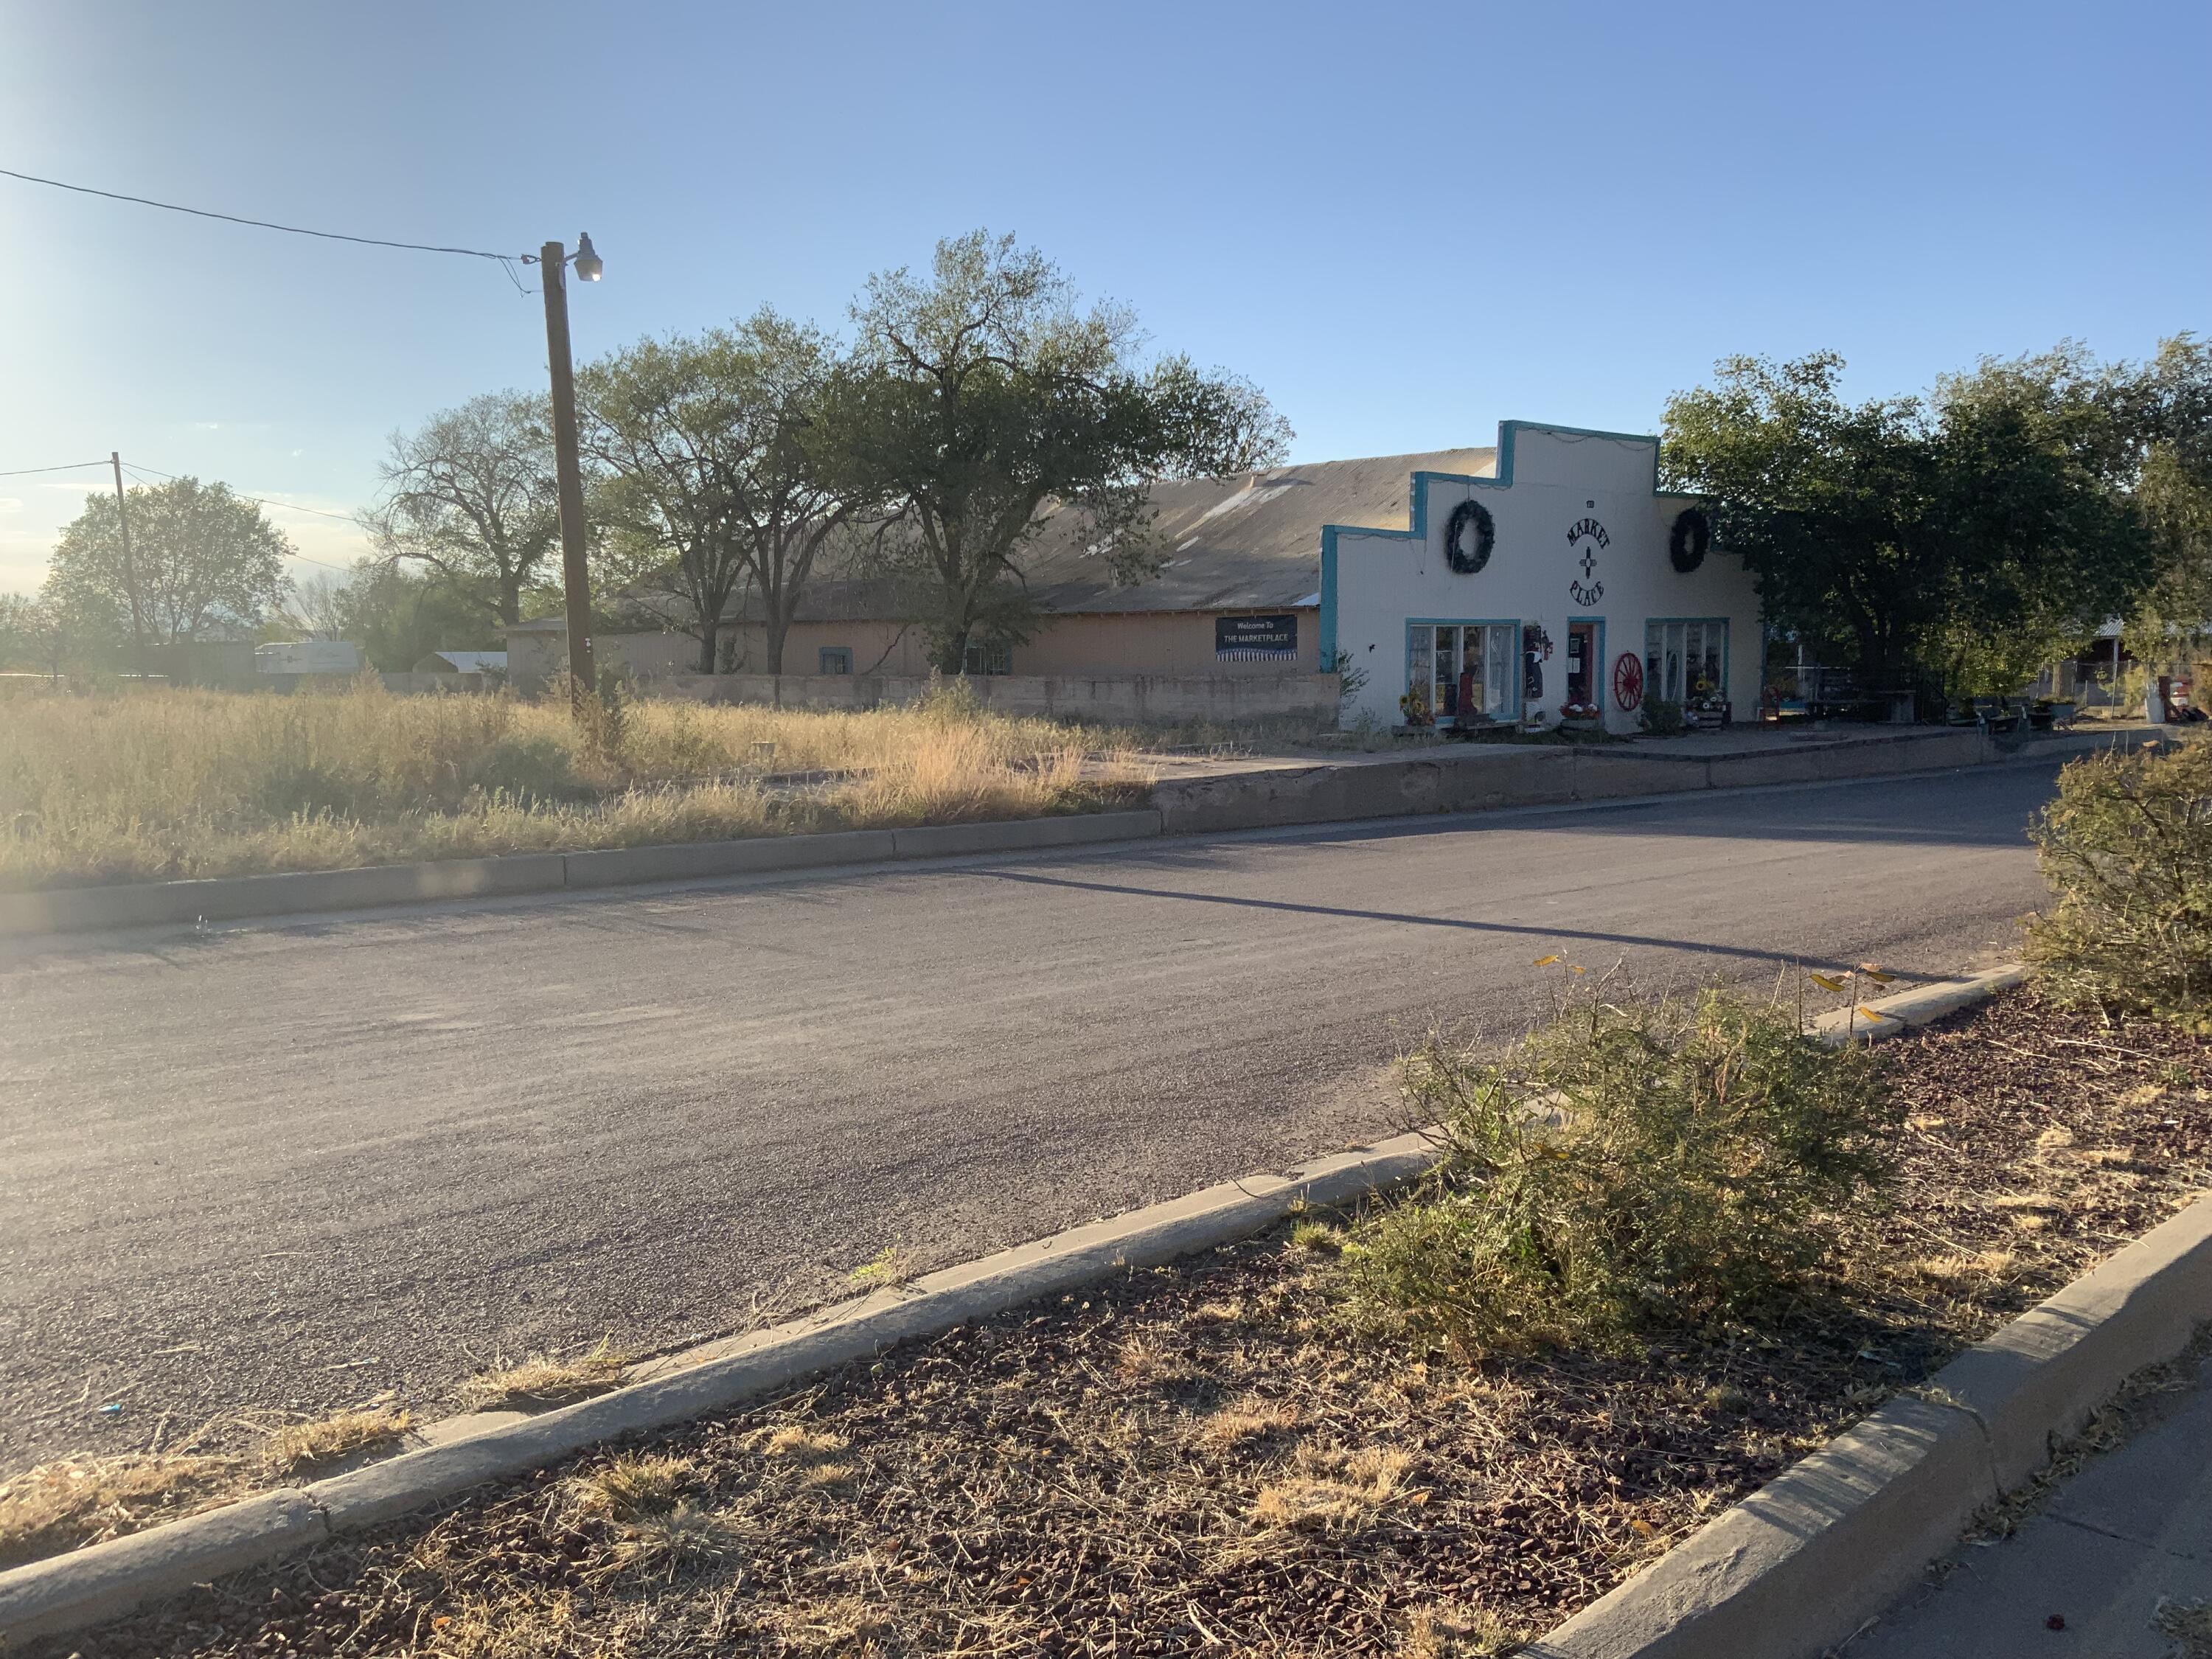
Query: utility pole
[[129, 572], [568, 471]]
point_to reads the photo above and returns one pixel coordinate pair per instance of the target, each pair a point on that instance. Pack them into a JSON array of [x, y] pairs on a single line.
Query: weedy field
[[171, 784], [1237, 1456]]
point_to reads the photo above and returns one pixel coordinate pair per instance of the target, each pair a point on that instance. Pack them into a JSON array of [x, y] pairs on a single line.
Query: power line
[[262, 224], [73, 466], [139, 473], [289, 507]]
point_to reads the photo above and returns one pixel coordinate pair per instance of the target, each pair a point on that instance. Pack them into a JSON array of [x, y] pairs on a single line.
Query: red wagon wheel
[[1627, 682]]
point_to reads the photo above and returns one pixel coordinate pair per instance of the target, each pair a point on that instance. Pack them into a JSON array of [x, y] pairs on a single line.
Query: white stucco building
[[1557, 575]]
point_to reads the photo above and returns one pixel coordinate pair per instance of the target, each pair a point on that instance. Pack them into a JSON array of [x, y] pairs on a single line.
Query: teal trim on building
[[1417, 506], [1327, 626]]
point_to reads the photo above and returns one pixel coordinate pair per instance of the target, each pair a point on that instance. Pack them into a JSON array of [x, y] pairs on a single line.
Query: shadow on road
[[1541, 934]]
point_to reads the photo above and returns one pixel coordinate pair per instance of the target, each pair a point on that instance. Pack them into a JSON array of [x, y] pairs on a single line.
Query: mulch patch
[[1195, 1458]]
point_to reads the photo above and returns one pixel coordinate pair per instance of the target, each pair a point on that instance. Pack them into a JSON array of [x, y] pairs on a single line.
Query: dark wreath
[[1688, 541], [1467, 562]]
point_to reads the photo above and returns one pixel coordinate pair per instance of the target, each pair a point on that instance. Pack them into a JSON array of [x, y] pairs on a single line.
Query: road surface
[[284, 1165]]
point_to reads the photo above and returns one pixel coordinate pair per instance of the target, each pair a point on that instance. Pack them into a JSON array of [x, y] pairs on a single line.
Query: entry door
[[1582, 663]]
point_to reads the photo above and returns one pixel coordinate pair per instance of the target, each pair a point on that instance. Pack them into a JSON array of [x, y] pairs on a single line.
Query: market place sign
[[1275, 638], [1584, 541]]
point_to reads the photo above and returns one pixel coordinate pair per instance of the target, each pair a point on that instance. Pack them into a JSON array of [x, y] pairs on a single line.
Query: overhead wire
[[508, 260], [139, 472], [508, 264], [72, 467]]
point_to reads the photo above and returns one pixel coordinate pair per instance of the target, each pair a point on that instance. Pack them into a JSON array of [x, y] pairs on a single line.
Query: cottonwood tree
[[397, 613], [2175, 489], [722, 474], [208, 565], [470, 495], [1912, 532], [981, 401], [32, 635]]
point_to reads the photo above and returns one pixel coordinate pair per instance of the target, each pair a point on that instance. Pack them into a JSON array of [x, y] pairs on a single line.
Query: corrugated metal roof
[[1248, 543]]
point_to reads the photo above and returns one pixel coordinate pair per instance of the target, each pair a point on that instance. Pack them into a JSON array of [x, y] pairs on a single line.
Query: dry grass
[[653, 1527], [63, 1505], [628, 1487], [165, 785], [1451, 1634], [1331, 1488], [298, 1446], [1247, 1418], [814, 1457], [889, 1269], [539, 1381]]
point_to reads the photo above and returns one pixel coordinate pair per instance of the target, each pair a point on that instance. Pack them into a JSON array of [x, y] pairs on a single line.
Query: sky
[[1405, 222]]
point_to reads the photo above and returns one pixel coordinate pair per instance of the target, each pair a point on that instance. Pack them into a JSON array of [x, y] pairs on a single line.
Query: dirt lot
[[1195, 1458]]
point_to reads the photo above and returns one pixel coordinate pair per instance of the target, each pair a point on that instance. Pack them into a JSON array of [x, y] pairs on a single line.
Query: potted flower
[[1415, 708], [1705, 706], [1579, 717]]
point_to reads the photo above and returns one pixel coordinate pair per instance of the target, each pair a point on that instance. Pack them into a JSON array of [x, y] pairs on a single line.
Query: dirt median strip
[[105, 1580]]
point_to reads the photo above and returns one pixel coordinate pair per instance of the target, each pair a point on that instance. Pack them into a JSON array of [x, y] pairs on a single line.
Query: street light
[[567, 469]]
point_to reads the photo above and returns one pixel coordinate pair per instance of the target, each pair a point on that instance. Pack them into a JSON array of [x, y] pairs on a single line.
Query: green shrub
[[1659, 1162], [1661, 718], [2127, 848]]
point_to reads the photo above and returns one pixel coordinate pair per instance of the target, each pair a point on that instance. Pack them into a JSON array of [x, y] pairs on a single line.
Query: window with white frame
[[1442, 656], [1685, 659]]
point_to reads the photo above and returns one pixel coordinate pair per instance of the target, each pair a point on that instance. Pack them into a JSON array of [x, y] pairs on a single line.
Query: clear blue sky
[[1405, 221]]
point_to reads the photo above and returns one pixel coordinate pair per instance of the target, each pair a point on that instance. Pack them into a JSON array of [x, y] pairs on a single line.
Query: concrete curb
[[1908, 1009], [1807, 1559], [106, 1580], [232, 898], [1278, 797]]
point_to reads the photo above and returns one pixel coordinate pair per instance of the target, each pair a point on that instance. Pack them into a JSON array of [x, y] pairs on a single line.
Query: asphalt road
[[285, 1165]]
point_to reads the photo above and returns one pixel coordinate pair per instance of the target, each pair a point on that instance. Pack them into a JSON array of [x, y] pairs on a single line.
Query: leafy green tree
[[2176, 490], [470, 495], [396, 614], [981, 402], [32, 636], [208, 565], [1909, 532], [721, 475]]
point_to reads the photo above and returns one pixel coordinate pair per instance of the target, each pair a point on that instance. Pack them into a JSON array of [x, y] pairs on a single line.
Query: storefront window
[[1687, 659], [1439, 654]]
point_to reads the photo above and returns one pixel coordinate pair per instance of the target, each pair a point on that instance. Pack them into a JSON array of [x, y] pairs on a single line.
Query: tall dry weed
[[170, 784]]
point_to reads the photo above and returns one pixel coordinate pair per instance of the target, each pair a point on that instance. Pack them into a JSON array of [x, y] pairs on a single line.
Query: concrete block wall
[[1116, 697]]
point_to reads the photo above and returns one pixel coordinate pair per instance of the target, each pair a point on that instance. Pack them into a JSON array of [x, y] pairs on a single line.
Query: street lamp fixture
[[587, 262]]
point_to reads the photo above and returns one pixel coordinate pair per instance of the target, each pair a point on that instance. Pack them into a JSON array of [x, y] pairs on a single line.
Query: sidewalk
[[2116, 1564]]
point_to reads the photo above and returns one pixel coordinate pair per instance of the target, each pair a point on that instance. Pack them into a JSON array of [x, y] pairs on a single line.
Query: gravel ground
[[1194, 1458]]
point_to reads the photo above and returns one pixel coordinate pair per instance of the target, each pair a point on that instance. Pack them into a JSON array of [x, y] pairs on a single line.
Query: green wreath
[[1468, 560], [1686, 542]]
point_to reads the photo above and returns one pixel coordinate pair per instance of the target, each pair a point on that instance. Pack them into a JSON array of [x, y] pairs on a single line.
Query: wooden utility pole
[[569, 472], [129, 572]]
